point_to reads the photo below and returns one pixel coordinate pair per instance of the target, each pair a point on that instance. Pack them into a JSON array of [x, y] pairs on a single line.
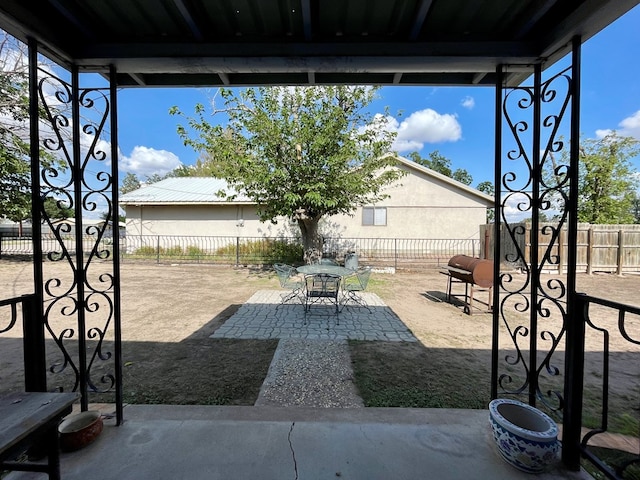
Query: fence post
[[589, 251], [561, 251], [395, 253], [620, 249], [237, 252], [158, 249]]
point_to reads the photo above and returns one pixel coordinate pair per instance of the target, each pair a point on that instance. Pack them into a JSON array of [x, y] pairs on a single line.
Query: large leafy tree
[[301, 152], [15, 168], [608, 181], [15, 197]]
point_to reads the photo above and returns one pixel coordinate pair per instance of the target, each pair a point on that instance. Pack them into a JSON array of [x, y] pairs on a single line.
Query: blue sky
[[458, 122]]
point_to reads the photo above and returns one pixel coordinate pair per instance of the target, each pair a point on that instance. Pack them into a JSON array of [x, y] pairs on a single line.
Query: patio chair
[[354, 285], [321, 286], [290, 280], [328, 261]]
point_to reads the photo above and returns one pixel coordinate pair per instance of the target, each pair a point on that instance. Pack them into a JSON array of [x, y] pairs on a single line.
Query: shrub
[[174, 251], [146, 251], [194, 251]]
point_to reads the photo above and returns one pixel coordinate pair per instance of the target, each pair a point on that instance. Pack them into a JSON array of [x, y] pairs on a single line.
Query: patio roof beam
[[188, 18], [162, 52], [306, 19], [420, 17]]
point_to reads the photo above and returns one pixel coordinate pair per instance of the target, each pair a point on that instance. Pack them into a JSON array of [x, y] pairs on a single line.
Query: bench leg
[[53, 453]]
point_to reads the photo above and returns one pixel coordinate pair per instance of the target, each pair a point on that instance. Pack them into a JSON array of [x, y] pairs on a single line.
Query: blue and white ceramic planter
[[526, 437]]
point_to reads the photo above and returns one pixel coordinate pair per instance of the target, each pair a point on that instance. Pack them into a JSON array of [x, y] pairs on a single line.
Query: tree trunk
[[311, 240]]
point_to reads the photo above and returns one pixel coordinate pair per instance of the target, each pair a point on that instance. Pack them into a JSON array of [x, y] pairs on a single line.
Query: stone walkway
[[310, 373], [263, 317]]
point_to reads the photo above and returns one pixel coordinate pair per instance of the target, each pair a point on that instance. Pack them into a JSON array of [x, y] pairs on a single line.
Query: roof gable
[[413, 166]]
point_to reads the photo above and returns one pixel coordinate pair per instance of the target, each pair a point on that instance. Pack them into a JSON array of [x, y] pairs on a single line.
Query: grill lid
[[477, 271]]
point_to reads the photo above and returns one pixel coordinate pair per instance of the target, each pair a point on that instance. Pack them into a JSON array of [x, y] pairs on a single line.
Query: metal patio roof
[[182, 190], [304, 42]]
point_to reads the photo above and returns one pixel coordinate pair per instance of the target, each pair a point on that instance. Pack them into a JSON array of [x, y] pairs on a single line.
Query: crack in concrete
[[293, 453]]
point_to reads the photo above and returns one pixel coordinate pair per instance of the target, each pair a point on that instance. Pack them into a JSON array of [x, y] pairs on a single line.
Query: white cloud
[[468, 102], [424, 126], [629, 127], [512, 213], [145, 161]]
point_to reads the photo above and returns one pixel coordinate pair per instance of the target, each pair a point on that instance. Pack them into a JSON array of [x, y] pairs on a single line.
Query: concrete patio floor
[[222, 442]]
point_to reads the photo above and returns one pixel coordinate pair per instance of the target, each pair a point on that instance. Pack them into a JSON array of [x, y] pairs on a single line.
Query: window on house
[[374, 215]]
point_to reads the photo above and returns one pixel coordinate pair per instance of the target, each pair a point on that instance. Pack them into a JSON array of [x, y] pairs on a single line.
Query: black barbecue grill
[[475, 273]]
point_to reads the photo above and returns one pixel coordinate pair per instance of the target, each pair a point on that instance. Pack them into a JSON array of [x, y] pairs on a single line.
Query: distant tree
[[635, 208], [56, 209], [154, 178], [442, 164], [302, 152], [608, 182], [130, 183], [488, 188], [121, 218]]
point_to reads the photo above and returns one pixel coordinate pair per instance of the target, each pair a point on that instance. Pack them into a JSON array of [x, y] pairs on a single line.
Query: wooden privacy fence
[[600, 248]]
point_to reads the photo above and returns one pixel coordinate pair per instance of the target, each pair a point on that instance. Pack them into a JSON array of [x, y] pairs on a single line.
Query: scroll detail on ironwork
[[79, 308], [532, 309]]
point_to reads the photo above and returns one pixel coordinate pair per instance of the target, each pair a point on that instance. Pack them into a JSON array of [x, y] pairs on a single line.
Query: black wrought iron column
[[79, 283], [37, 352], [576, 308], [115, 222], [532, 179]]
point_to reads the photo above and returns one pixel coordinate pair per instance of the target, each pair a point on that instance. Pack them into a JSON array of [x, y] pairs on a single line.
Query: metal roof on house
[[183, 190], [194, 190], [306, 42]]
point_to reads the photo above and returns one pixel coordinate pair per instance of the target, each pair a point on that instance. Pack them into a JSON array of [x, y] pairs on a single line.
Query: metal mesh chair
[[354, 285], [289, 279], [321, 286]]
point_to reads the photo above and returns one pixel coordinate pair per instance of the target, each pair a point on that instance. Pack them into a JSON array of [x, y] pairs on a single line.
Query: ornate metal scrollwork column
[[532, 180], [78, 171]]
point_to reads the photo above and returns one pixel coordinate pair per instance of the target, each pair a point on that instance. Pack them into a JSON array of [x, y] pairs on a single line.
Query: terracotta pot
[[526, 437], [78, 431]]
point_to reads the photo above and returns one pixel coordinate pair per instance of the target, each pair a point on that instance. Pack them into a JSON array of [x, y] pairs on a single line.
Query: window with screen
[[374, 216]]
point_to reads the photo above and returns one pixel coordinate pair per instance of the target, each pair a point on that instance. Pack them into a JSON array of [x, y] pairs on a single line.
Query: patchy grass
[[402, 374], [614, 459], [220, 372]]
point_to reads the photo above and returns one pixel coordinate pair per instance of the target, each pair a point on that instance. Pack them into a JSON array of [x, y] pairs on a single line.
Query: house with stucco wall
[[421, 204]]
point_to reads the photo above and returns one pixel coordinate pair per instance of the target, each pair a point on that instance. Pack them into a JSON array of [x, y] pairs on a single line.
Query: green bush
[[146, 251], [263, 251], [174, 251], [194, 251]]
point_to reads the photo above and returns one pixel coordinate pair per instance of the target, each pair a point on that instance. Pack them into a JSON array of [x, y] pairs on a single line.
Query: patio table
[[316, 269]]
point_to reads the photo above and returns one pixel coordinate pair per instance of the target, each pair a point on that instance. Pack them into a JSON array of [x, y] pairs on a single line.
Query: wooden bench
[[32, 417]]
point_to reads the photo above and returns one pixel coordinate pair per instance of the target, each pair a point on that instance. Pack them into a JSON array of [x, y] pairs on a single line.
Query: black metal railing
[[233, 250], [606, 391], [32, 338]]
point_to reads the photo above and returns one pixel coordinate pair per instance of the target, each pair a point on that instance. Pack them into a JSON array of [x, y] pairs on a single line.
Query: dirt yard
[[169, 312]]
